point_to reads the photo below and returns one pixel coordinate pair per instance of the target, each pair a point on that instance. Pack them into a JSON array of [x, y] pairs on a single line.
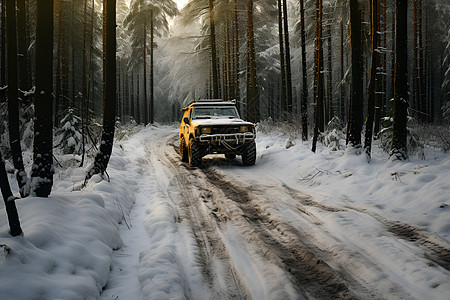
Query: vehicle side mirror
[[186, 120]]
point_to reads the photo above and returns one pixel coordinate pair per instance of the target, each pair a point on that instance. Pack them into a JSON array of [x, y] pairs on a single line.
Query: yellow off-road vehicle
[[214, 127]]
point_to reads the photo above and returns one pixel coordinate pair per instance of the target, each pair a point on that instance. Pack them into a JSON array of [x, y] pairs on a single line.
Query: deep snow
[[67, 248]]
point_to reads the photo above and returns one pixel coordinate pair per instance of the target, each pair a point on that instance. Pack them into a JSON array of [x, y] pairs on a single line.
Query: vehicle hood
[[212, 122]]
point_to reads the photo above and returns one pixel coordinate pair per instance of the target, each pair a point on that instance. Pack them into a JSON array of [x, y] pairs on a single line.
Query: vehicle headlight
[[206, 130], [243, 129]]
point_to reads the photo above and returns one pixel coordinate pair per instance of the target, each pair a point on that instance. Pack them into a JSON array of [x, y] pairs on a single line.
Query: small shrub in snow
[[436, 136], [125, 130], [334, 136], [413, 143], [69, 137]]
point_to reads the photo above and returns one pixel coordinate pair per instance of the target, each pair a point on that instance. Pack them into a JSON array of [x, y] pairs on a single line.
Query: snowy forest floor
[[296, 225]]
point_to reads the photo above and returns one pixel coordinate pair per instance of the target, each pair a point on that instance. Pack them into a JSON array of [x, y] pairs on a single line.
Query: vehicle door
[[184, 127]]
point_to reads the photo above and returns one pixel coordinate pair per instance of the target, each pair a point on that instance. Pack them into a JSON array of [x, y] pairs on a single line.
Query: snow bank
[[68, 242], [65, 252]]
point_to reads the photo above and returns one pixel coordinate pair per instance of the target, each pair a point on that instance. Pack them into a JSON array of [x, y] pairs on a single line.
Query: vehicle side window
[[190, 114]]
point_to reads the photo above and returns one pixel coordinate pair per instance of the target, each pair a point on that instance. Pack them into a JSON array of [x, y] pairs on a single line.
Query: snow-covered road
[[226, 231]]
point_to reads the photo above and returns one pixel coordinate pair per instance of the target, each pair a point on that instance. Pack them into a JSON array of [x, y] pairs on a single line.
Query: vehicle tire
[[184, 151], [195, 157], [230, 156], [249, 154]]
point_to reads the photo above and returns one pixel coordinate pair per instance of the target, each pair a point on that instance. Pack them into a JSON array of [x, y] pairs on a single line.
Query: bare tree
[[13, 97], [3, 51], [287, 59], [282, 58], [22, 48], [371, 94], [42, 171], [318, 109], [215, 72], [304, 101], [253, 100], [10, 204], [355, 118], [109, 91], [399, 136]]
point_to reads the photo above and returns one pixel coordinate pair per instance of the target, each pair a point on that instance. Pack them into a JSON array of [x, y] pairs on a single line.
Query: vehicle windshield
[[215, 112]]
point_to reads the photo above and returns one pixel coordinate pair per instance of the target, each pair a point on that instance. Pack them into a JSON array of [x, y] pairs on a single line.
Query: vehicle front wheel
[[249, 154], [194, 153], [184, 151]]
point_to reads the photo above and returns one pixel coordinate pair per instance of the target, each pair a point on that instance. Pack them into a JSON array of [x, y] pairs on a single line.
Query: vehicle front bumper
[[228, 138]]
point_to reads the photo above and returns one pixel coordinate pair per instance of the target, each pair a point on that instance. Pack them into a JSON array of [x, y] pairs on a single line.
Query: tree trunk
[[91, 66], [381, 96], [138, 99], [228, 64], [399, 136], [151, 68], [428, 72], [3, 52], [65, 62], [86, 77], [371, 93], [253, 102], [391, 96], [224, 78], [30, 58], [84, 107], [109, 92], [416, 101], [58, 75], [282, 59], [304, 101], [22, 55], [145, 73], [83, 76], [10, 204], [133, 92], [126, 87], [318, 111], [215, 73], [118, 93], [288, 60], [42, 171], [236, 50], [342, 89], [425, 113], [355, 118], [72, 46], [13, 97], [330, 103]]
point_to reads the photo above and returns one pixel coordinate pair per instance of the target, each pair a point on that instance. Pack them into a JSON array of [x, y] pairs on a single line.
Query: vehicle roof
[[210, 102]]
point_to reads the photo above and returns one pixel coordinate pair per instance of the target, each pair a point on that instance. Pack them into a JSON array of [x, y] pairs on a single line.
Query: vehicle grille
[[224, 129]]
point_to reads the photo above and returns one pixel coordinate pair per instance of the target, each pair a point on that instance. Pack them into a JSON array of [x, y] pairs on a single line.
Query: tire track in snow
[[281, 242], [215, 262], [278, 242], [436, 250], [293, 248]]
